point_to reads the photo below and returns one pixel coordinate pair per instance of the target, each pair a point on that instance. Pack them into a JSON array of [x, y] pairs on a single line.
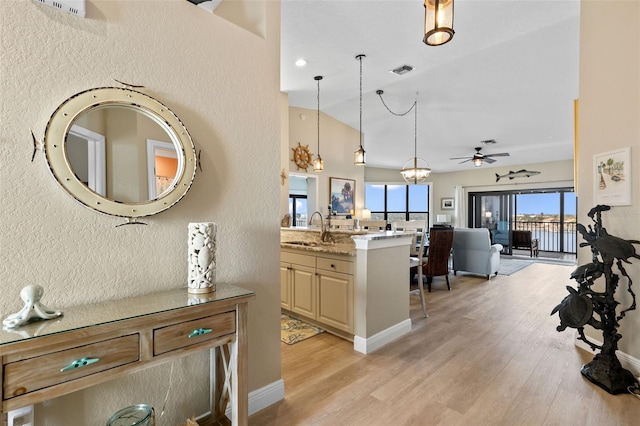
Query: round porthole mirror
[[120, 152]]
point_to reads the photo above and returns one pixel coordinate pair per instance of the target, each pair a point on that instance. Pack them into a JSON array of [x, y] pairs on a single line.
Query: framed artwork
[[342, 195], [446, 203], [612, 177]]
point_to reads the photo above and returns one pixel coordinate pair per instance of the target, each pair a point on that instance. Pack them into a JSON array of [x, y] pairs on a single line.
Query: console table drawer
[[58, 367], [191, 332]]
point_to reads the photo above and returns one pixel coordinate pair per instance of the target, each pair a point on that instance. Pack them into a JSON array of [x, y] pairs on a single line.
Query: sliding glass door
[[492, 210], [550, 215]]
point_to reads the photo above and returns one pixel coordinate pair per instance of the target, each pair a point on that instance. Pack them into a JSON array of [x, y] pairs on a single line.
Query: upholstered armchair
[[500, 235], [474, 253]]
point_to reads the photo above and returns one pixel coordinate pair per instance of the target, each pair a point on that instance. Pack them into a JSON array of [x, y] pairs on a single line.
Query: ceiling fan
[[478, 158]]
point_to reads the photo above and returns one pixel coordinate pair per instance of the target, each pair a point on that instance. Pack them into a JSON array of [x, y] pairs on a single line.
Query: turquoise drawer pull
[[80, 363], [199, 332]]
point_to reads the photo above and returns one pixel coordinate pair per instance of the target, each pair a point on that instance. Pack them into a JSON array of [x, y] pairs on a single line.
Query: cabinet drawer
[[298, 259], [335, 265], [191, 332], [43, 371]]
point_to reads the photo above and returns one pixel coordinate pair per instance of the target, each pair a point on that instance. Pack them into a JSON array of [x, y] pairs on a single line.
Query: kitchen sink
[[305, 243]]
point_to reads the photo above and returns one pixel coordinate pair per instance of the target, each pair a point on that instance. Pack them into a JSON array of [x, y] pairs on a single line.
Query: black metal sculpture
[[582, 305]]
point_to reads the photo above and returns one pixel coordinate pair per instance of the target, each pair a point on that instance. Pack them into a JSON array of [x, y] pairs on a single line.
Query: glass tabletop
[[78, 317]]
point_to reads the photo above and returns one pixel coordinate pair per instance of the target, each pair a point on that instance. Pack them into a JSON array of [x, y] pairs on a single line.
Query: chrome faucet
[[325, 236]]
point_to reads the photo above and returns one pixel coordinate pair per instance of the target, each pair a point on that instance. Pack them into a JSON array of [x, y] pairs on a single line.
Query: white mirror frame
[[65, 115]]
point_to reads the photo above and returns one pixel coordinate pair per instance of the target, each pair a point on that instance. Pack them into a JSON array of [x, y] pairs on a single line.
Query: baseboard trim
[[266, 396], [627, 361], [378, 340], [263, 397]]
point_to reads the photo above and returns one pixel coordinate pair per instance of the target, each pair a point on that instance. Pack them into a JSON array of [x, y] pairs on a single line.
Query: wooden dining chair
[[437, 263], [371, 225], [335, 223], [416, 263]]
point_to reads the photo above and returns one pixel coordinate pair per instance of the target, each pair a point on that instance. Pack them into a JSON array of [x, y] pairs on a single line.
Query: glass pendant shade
[[477, 162], [415, 171], [318, 164], [438, 22], [359, 157]]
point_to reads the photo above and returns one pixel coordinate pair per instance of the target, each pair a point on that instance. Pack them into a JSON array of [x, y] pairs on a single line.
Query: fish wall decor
[[518, 174]]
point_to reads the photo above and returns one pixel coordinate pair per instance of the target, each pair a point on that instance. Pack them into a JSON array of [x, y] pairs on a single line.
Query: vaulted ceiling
[[509, 74]]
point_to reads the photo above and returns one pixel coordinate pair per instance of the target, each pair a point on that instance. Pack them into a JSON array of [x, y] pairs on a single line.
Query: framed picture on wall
[[342, 195], [612, 177], [446, 204]]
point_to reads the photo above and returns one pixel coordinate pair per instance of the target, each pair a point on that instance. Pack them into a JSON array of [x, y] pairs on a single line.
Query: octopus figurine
[[32, 308]]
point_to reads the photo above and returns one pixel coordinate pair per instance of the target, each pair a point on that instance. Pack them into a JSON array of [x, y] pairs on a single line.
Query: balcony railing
[[552, 236]]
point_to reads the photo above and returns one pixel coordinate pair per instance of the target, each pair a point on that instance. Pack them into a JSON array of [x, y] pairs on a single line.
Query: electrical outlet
[[21, 417]]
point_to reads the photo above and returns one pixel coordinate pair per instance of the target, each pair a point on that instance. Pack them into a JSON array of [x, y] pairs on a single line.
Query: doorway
[[86, 153], [303, 198], [549, 214], [162, 167]]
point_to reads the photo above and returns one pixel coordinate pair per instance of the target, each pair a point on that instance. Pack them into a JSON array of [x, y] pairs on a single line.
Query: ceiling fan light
[[438, 22], [415, 171], [477, 162]]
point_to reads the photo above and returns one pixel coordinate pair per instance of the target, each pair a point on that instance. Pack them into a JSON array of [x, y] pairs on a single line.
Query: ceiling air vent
[[402, 70], [77, 7]]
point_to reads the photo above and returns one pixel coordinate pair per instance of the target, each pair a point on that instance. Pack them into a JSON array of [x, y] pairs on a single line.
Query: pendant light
[[416, 169], [318, 164], [359, 155], [438, 22]]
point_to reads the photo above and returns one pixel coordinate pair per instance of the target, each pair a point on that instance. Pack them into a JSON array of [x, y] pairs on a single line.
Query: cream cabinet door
[[335, 300], [285, 285], [304, 291]]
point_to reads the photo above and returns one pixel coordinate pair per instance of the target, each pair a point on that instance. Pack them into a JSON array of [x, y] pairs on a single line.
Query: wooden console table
[[95, 343]]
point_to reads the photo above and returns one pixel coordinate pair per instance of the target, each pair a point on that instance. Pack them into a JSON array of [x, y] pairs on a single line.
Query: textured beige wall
[[223, 82], [337, 145], [609, 117]]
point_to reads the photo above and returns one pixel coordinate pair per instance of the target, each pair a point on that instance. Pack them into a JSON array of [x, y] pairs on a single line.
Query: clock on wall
[[302, 157]]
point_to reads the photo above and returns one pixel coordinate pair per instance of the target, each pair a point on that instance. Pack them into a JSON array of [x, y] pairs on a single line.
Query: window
[[550, 215], [397, 202], [298, 209]]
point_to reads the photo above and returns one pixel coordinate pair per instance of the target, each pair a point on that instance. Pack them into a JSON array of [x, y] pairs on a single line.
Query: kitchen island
[[355, 286]]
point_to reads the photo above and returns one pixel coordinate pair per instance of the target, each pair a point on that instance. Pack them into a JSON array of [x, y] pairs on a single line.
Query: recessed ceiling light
[[301, 62]]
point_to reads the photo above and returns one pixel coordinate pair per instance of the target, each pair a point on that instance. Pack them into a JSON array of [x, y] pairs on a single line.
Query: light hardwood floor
[[488, 354]]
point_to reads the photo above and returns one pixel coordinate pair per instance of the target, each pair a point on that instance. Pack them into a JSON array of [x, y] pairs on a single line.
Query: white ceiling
[[510, 73]]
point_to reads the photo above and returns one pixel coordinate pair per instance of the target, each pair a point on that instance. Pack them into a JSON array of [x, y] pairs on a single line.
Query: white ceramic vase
[[202, 257]]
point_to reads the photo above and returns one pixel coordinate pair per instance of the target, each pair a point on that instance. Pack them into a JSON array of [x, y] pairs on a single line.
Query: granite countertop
[[381, 235], [331, 248], [317, 229], [308, 239], [344, 240]]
